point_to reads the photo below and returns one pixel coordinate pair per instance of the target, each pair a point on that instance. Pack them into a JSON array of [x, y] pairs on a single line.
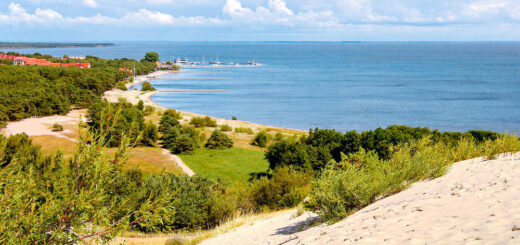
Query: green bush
[[150, 135], [121, 85], [148, 110], [147, 86], [234, 118], [219, 140], [57, 127], [262, 138], [286, 187], [203, 122], [225, 128], [167, 122], [180, 139], [243, 130], [52, 200]]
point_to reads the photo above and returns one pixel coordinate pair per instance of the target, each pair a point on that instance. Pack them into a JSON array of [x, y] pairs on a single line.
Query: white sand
[[38, 126], [477, 202]]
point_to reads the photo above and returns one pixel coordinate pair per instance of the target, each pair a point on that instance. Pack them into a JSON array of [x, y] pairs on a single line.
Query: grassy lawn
[[231, 165]]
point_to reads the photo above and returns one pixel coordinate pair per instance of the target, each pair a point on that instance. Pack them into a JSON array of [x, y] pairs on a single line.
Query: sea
[[450, 86]]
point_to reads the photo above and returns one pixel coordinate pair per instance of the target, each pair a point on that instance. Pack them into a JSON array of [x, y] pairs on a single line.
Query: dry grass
[[147, 159]]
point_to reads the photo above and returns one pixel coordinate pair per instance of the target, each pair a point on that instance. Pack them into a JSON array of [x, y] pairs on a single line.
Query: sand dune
[[477, 202]]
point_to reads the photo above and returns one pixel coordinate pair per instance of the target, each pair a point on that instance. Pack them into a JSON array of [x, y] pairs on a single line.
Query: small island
[[8, 45]]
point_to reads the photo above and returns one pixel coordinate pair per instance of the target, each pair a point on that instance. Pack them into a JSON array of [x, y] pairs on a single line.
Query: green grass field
[[231, 165]]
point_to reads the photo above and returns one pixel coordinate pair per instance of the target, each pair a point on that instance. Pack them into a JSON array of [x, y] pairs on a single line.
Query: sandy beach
[[476, 202]]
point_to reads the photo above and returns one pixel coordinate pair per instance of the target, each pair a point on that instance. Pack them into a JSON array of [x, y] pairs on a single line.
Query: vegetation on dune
[[243, 130], [151, 57], [199, 122], [363, 177]]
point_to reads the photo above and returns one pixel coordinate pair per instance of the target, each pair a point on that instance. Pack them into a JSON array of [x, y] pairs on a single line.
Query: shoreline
[[133, 96]]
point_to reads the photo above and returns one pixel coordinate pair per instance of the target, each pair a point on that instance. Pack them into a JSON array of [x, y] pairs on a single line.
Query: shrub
[[173, 113], [167, 122], [234, 118], [243, 130], [219, 140], [125, 118], [225, 128], [150, 135], [148, 110], [147, 86], [121, 85], [203, 122], [55, 201], [140, 105], [262, 138], [180, 139], [286, 187], [57, 127]]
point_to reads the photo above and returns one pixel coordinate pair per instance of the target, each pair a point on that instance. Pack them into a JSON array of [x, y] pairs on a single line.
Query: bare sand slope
[[477, 202], [38, 126]]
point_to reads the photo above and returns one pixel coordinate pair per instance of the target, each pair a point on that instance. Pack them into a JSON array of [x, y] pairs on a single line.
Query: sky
[[260, 20]]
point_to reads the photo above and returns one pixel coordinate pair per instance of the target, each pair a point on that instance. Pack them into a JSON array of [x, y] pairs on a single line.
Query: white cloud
[[159, 1], [90, 3]]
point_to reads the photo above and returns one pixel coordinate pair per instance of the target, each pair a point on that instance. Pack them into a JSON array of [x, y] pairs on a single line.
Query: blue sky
[[260, 20]]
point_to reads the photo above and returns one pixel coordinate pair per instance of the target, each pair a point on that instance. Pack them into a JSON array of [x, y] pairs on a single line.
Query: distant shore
[[17, 45]]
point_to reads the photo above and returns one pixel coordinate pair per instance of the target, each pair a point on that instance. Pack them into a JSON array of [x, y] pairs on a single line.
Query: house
[[18, 62]]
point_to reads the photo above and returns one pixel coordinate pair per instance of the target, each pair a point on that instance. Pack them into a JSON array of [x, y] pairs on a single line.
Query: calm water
[[345, 86]]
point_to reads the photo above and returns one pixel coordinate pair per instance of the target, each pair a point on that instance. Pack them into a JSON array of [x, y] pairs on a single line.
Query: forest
[[41, 90]]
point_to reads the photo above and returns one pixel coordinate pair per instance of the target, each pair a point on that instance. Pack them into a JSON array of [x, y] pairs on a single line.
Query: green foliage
[[199, 122], [57, 127], [324, 145], [262, 138], [234, 118], [180, 139], [147, 86], [243, 130], [126, 120], [148, 110], [286, 187], [173, 113], [121, 85], [42, 91], [225, 128], [150, 135], [48, 200], [141, 68], [362, 177], [219, 141], [167, 122], [151, 57]]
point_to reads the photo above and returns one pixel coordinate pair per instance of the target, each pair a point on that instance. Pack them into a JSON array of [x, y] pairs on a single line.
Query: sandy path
[[179, 162], [477, 202], [38, 126]]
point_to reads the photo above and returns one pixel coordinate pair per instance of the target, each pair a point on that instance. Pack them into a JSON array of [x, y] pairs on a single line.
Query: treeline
[[42, 90], [314, 151]]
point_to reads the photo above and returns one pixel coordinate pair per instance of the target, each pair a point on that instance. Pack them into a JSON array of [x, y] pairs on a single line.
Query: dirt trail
[[179, 162], [477, 202]]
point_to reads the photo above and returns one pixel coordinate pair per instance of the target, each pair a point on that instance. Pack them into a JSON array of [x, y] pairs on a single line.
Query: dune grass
[[232, 165]]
